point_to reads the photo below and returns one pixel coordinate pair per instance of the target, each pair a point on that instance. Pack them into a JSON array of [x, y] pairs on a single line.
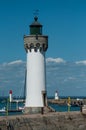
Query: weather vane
[[36, 12]]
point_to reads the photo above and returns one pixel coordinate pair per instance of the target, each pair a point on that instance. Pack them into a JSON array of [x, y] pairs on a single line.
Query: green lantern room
[[35, 27]]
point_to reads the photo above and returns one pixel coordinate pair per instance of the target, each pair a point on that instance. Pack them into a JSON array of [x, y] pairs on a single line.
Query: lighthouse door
[[44, 98]]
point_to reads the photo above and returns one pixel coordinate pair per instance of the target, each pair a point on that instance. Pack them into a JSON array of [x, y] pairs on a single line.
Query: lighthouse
[[36, 45], [10, 95]]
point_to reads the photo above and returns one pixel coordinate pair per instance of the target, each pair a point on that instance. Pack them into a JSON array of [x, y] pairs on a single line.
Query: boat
[[2, 110], [21, 108]]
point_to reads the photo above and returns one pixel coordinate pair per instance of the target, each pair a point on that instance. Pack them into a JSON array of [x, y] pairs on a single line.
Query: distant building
[[56, 95]]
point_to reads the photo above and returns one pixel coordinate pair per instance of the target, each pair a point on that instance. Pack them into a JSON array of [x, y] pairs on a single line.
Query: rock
[[47, 121]]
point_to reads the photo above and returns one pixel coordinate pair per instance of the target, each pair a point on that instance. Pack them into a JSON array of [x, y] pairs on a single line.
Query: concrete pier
[[48, 121]]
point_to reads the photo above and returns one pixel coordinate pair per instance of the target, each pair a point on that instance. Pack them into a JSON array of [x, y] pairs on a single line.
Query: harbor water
[[7, 108]]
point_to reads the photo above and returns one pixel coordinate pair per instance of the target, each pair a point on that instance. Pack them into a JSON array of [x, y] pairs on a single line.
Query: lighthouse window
[[35, 49], [38, 45], [35, 30], [31, 45], [43, 46]]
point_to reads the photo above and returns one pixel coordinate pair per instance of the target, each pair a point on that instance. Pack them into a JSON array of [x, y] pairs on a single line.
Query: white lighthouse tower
[[10, 95], [35, 45]]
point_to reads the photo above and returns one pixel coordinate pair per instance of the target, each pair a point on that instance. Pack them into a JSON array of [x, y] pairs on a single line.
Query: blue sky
[[64, 21]]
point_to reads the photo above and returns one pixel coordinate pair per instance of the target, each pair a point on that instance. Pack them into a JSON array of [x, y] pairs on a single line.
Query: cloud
[[11, 75], [15, 62], [68, 79], [56, 60], [81, 62]]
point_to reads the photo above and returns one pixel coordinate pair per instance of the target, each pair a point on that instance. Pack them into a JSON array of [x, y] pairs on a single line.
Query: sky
[[64, 21], [68, 78]]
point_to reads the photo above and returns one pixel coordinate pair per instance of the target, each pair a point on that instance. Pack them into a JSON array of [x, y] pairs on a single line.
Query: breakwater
[[48, 121], [65, 101]]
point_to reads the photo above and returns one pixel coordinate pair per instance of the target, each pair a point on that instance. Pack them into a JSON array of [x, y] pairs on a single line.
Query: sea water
[[4, 103], [64, 108]]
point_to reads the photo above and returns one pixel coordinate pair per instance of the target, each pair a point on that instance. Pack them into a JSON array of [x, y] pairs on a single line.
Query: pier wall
[[49, 121]]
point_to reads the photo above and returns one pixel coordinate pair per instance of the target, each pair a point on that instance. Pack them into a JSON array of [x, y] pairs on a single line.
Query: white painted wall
[[35, 82], [10, 97]]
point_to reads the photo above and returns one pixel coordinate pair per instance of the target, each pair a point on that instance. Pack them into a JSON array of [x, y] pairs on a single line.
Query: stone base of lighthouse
[[33, 110], [38, 110]]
